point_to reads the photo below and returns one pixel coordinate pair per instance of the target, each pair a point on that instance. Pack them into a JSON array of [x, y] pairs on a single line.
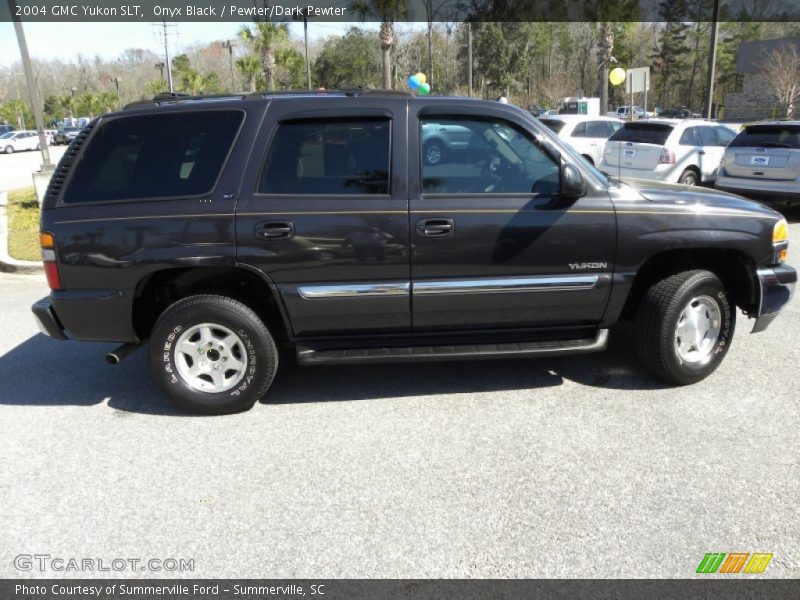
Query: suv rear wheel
[[684, 326], [212, 354], [688, 177]]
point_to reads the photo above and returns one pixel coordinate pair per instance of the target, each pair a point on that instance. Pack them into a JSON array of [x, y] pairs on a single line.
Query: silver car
[[764, 161]]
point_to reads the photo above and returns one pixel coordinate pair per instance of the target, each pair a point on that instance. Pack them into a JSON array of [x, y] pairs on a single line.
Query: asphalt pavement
[[560, 467], [16, 170]]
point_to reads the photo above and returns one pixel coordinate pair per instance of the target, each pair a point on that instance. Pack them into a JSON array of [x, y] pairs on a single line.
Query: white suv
[[676, 151], [586, 134]]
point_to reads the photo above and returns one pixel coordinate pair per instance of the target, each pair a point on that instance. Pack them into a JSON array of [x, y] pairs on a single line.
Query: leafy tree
[[249, 67], [353, 58]]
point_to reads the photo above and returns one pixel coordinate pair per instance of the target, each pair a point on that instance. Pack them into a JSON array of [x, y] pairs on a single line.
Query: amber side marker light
[[48, 244], [780, 240]]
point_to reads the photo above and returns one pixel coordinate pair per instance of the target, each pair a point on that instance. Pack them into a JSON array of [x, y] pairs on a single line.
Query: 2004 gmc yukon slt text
[[220, 229]]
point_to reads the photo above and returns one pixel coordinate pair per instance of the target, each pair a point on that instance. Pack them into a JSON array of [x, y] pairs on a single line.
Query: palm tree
[[250, 68], [387, 12], [265, 38]]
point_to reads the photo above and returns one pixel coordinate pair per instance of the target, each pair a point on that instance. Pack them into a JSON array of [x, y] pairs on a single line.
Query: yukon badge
[[588, 265]]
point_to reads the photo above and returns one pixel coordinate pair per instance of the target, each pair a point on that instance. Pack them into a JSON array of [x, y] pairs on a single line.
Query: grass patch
[[23, 225]]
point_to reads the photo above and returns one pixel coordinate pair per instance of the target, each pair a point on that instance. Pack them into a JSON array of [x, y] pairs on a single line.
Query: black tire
[[588, 159], [433, 152], [256, 344], [9, 150], [689, 177], [657, 319]]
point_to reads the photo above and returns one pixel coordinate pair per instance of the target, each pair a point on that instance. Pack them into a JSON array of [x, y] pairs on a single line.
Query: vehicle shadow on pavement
[[617, 368], [76, 374]]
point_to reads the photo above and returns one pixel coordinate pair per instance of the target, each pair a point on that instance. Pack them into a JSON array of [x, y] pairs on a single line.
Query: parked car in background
[[764, 161], [624, 112], [65, 135], [6, 129], [675, 113], [587, 135], [536, 110], [687, 151], [16, 141]]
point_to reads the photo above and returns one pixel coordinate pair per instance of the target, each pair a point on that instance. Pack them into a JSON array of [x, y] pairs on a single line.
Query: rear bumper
[[760, 188], [46, 319], [88, 315], [776, 286]]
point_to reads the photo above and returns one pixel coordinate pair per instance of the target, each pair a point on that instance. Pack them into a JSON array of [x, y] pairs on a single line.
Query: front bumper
[[776, 286], [47, 320]]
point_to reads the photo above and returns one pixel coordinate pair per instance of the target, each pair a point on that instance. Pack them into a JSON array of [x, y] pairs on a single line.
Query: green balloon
[[424, 89]]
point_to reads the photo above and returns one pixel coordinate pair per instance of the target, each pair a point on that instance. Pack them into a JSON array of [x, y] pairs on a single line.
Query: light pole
[[712, 62], [303, 13], [47, 166]]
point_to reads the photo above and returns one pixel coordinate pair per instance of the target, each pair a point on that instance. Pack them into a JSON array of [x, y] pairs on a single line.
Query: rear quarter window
[[768, 136], [154, 156], [643, 133]]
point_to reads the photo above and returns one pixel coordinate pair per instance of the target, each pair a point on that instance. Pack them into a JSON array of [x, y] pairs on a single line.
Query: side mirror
[[572, 184]]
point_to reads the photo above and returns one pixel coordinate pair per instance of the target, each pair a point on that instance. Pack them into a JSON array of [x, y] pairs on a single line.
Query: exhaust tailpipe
[[114, 357]]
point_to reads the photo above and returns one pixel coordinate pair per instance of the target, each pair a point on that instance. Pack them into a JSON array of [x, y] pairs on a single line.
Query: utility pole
[[230, 46], [469, 56], [31, 82], [712, 62], [166, 54]]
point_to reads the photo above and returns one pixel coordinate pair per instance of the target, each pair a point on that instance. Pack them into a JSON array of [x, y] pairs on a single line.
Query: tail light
[[667, 157], [48, 244]]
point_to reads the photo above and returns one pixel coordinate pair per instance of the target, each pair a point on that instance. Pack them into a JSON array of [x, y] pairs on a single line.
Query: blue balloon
[[413, 82]]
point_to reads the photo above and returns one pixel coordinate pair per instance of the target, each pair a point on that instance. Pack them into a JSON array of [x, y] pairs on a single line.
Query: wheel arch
[[157, 290], [735, 269]]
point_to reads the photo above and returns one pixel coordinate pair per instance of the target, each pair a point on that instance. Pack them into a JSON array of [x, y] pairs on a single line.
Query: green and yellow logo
[[734, 562]]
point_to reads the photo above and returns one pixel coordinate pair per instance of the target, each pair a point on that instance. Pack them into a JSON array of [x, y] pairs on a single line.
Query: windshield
[[768, 136], [642, 133], [6, 136]]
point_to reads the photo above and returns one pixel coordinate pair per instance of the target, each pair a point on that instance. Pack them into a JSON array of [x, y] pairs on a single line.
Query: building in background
[[754, 98]]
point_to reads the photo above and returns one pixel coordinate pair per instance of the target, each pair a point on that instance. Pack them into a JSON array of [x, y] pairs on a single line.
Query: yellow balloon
[[617, 76], [421, 77]]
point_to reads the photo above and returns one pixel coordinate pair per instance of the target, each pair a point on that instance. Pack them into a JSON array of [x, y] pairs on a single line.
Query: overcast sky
[[109, 40]]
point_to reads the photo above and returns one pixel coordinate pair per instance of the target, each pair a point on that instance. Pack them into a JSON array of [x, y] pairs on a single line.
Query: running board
[[308, 355]]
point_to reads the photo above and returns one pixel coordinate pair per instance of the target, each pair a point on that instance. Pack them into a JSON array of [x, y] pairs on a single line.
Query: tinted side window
[[501, 160], [724, 135], [707, 136], [154, 156], [690, 137], [598, 129], [341, 156]]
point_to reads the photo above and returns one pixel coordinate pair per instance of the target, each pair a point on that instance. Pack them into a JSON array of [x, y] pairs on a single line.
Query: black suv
[[223, 228]]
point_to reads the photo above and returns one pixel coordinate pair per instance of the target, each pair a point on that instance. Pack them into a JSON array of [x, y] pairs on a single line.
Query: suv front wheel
[[684, 326], [212, 354]]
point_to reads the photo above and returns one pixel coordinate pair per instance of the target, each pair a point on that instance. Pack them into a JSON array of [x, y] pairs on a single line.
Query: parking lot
[[16, 169], [561, 467]]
